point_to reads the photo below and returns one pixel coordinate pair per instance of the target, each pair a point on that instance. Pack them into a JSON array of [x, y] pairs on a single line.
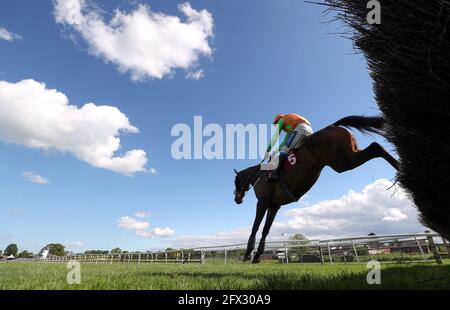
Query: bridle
[[247, 181]]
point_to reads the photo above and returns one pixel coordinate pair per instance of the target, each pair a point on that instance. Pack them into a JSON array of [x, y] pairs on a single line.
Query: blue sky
[[267, 57]]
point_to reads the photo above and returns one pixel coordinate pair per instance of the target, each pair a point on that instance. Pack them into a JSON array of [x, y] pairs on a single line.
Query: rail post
[[397, 244], [434, 249], [203, 257], [329, 253], [446, 245], [420, 248], [321, 255], [356, 252]]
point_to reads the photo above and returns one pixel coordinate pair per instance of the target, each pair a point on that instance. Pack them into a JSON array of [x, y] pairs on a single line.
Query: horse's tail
[[365, 124]]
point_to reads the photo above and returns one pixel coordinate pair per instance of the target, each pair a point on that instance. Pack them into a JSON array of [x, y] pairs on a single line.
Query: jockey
[[297, 128]]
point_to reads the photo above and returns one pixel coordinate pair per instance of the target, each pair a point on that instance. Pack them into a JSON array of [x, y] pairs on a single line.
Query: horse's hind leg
[[260, 211], [388, 157], [357, 158]]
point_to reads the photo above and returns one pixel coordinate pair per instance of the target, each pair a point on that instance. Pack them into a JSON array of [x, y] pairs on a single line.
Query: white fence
[[420, 247], [175, 256], [417, 247]]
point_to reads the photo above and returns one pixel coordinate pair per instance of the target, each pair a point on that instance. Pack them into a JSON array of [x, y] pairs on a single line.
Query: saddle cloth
[[291, 161]]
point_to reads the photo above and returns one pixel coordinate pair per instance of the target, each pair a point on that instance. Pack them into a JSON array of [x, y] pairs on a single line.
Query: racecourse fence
[[175, 256], [420, 247]]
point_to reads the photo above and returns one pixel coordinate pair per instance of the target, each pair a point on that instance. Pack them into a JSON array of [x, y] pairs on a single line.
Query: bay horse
[[332, 146]]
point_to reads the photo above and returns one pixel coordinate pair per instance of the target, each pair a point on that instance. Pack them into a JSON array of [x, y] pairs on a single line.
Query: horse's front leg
[[260, 211], [271, 213]]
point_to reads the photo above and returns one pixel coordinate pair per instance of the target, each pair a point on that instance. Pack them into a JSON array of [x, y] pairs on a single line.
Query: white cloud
[[142, 214], [8, 36], [394, 215], [34, 178], [378, 208], [142, 228], [144, 43], [130, 223], [156, 232], [42, 118], [73, 244], [195, 75], [153, 171]]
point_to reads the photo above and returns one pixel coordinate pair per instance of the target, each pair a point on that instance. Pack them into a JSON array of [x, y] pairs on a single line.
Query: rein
[[251, 176]]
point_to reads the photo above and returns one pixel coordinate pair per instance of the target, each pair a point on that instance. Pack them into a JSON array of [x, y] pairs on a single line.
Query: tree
[[55, 249], [11, 250], [96, 252], [300, 251], [116, 251], [298, 237], [25, 254]]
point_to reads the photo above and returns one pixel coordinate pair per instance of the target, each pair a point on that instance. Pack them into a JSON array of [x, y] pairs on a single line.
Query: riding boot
[[275, 175]]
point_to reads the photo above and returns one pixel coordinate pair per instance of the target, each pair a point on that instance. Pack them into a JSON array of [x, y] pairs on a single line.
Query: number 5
[[292, 159]]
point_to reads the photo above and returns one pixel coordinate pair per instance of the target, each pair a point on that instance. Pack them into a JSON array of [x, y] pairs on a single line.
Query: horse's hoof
[[256, 261], [246, 258]]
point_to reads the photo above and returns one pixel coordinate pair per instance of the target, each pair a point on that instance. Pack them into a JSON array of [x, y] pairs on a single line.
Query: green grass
[[266, 275]]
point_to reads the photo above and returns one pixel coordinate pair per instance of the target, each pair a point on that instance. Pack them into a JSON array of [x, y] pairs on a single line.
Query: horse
[[332, 146]]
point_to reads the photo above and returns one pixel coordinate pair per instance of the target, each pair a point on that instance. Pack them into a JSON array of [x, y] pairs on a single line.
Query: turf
[[219, 276]]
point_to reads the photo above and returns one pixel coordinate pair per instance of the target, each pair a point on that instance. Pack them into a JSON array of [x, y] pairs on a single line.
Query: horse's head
[[242, 185]]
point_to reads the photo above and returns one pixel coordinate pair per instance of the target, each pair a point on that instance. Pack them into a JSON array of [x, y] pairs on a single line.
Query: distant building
[[44, 253], [379, 251], [410, 246]]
